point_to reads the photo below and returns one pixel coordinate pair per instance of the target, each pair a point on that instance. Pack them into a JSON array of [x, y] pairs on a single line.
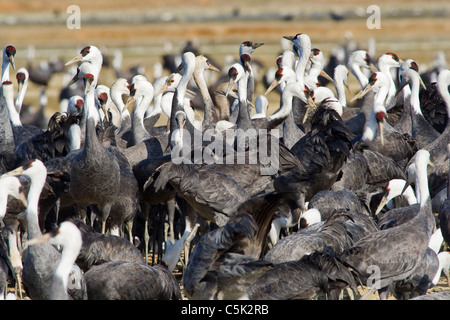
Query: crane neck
[[424, 196], [182, 85], [92, 118], [34, 193], [314, 72], [21, 96], [139, 132], [210, 115], [3, 204], [390, 98], [356, 70], [75, 137], [180, 94], [68, 257], [14, 116], [340, 91], [5, 69], [116, 97], [243, 120], [166, 103], [302, 62], [381, 94], [442, 86], [286, 104], [125, 117], [414, 96], [156, 110]]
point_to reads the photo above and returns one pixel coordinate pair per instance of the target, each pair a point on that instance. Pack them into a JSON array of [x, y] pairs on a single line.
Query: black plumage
[[322, 153], [98, 248], [318, 275]]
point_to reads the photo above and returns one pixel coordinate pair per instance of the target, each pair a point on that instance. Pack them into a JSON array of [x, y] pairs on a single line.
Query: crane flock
[[333, 195]]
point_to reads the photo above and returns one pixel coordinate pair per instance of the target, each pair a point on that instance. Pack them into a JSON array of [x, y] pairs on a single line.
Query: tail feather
[[262, 209], [339, 275], [166, 173]]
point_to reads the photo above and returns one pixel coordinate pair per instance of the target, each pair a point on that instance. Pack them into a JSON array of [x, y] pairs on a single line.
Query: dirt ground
[[144, 31]]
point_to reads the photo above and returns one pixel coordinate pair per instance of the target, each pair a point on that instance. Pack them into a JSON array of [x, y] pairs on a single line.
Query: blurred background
[[142, 34]]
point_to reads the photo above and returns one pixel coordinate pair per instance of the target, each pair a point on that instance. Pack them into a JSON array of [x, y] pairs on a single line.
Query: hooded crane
[[41, 261], [396, 252], [111, 280], [100, 176]]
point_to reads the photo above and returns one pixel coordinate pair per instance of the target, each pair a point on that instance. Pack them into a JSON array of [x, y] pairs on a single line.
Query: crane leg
[[146, 240], [129, 226], [171, 215], [146, 212], [187, 243]]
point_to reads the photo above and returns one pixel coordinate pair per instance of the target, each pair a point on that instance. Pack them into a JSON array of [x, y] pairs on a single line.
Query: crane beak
[[257, 45], [19, 86], [290, 38], [230, 86], [11, 61], [164, 88], [213, 68], [422, 83], [179, 69], [248, 66], [362, 93], [16, 172], [75, 59], [272, 86], [105, 112], [87, 86], [383, 202], [326, 76], [42, 239], [407, 184], [74, 79]]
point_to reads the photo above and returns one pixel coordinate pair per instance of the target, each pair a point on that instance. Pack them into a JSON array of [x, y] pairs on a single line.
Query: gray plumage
[[214, 195], [316, 276], [102, 176], [40, 261], [420, 280], [217, 268], [122, 280], [101, 248], [333, 233], [397, 216], [321, 152], [444, 212], [444, 295], [396, 251], [329, 202], [6, 269]]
